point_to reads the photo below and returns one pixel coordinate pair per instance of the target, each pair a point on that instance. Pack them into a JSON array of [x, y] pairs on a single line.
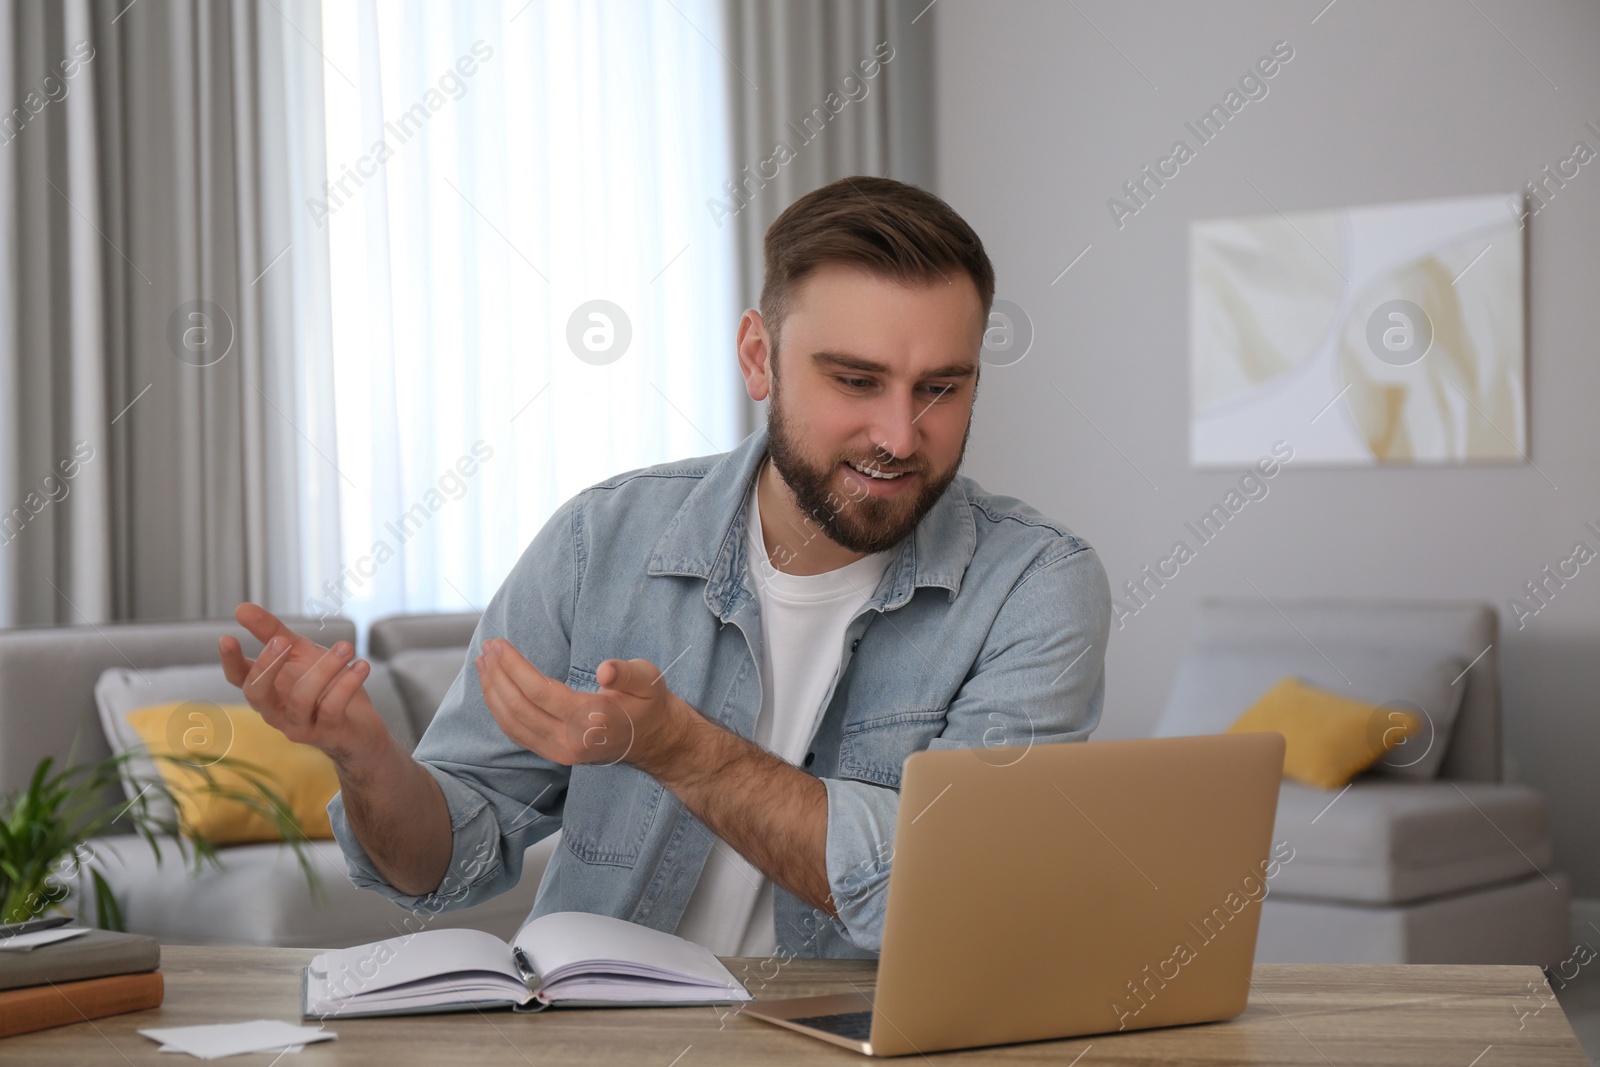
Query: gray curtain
[[798, 81], [166, 445]]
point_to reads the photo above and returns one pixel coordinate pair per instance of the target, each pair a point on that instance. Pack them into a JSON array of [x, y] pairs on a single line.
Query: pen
[[29, 926]]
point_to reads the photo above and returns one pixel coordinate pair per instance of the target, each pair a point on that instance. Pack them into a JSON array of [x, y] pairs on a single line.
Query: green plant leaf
[[46, 825]]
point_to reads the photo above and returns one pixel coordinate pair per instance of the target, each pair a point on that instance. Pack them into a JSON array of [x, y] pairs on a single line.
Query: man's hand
[[634, 718], [309, 693], [771, 812]]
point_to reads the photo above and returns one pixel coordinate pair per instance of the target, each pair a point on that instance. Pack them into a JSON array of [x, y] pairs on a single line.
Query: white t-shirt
[[803, 619]]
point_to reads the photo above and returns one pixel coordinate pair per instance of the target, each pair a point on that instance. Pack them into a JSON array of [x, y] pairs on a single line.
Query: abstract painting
[[1385, 334]]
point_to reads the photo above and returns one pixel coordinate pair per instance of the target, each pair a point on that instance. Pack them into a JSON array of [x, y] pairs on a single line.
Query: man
[[708, 673]]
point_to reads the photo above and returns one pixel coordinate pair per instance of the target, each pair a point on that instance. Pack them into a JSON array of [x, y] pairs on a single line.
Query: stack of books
[[87, 975]]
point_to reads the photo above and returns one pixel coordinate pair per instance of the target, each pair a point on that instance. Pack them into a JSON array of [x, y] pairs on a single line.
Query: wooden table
[[1316, 1014]]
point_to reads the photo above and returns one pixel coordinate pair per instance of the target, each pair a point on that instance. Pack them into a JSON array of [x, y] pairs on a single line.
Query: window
[[494, 172]]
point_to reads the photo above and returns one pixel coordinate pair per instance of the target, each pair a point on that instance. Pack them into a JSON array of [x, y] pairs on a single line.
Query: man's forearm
[[400, 816], [771, 812]]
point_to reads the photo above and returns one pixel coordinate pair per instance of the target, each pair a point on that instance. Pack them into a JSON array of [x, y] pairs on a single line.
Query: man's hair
[[887, 227]]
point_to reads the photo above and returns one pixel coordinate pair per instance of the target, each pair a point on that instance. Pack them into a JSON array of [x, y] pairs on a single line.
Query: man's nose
[[894, 431]]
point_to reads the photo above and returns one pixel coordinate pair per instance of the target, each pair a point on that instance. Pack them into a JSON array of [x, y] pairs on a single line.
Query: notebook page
[[636, 992], [563, 940], [398, 960]]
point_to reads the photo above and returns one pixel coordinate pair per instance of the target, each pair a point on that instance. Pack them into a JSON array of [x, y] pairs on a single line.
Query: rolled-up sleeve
[[1039, 679], [502, 797]]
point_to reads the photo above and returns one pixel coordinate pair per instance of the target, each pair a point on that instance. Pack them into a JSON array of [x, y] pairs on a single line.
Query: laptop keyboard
[[855, 1025]]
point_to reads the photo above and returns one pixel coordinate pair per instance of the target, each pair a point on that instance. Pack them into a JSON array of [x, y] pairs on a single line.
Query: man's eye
[[936, 391]]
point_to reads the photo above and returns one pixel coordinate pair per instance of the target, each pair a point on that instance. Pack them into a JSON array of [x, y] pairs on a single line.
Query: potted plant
[[46, 828]]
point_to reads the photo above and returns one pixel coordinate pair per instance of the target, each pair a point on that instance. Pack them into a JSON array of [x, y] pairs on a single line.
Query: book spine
[[81, 959], [42, 1007]]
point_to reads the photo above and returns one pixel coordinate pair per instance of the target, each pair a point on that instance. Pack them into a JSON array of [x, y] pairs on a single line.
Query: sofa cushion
[[261, 897], [1386, 841], [303, 777], [1328, 737], [121, 690], [1216, 683], [423, 677]]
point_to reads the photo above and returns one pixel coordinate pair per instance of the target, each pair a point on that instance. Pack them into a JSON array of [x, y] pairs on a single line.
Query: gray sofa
[[1450, 868], [1414, 864], [47, 705]]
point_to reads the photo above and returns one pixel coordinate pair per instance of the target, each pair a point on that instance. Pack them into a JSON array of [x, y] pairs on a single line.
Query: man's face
[[873, 378]]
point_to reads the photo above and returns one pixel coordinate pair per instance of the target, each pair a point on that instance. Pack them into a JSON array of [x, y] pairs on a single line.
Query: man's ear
[[755, 355]]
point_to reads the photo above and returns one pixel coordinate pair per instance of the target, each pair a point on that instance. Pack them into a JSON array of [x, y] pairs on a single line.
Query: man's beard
[[860, 523]]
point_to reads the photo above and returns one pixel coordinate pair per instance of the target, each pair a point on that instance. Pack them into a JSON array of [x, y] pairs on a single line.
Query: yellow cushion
[[203, 733], [1329, 738]]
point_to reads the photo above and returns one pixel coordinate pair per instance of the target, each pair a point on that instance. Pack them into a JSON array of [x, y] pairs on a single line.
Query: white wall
[[1044, 109]]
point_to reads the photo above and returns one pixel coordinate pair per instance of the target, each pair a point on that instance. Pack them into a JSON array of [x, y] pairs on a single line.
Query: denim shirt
[[989, 628]]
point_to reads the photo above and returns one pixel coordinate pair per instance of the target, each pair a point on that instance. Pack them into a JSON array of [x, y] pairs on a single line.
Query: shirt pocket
[[874, 750], [609, 808]]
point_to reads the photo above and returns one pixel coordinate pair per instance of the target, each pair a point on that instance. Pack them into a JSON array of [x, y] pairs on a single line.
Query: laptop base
[[800, 1013]]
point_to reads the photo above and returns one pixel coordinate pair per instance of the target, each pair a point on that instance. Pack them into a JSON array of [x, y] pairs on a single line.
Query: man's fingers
[[512, 725], [592, 729], [336, 697], [260, 685], [519, 720], [538, 689], [505, 696], [265, 626], [308, 688], [235, 667], [636, 677], [261, 623]]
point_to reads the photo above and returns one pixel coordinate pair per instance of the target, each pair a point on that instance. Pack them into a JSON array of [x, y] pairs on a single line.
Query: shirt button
[[855, 644], [810, 758]]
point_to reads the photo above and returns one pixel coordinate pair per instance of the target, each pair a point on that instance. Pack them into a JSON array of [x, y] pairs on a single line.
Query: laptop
[[1062, 890]]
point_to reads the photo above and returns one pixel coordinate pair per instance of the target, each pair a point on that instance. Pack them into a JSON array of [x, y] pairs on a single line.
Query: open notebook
[[568, 958]]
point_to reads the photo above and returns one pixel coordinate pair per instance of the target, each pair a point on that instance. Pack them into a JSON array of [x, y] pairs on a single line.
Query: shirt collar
[[706, 537]]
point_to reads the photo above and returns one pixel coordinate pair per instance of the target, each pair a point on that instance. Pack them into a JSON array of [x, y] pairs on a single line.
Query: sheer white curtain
[[493, 169]]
